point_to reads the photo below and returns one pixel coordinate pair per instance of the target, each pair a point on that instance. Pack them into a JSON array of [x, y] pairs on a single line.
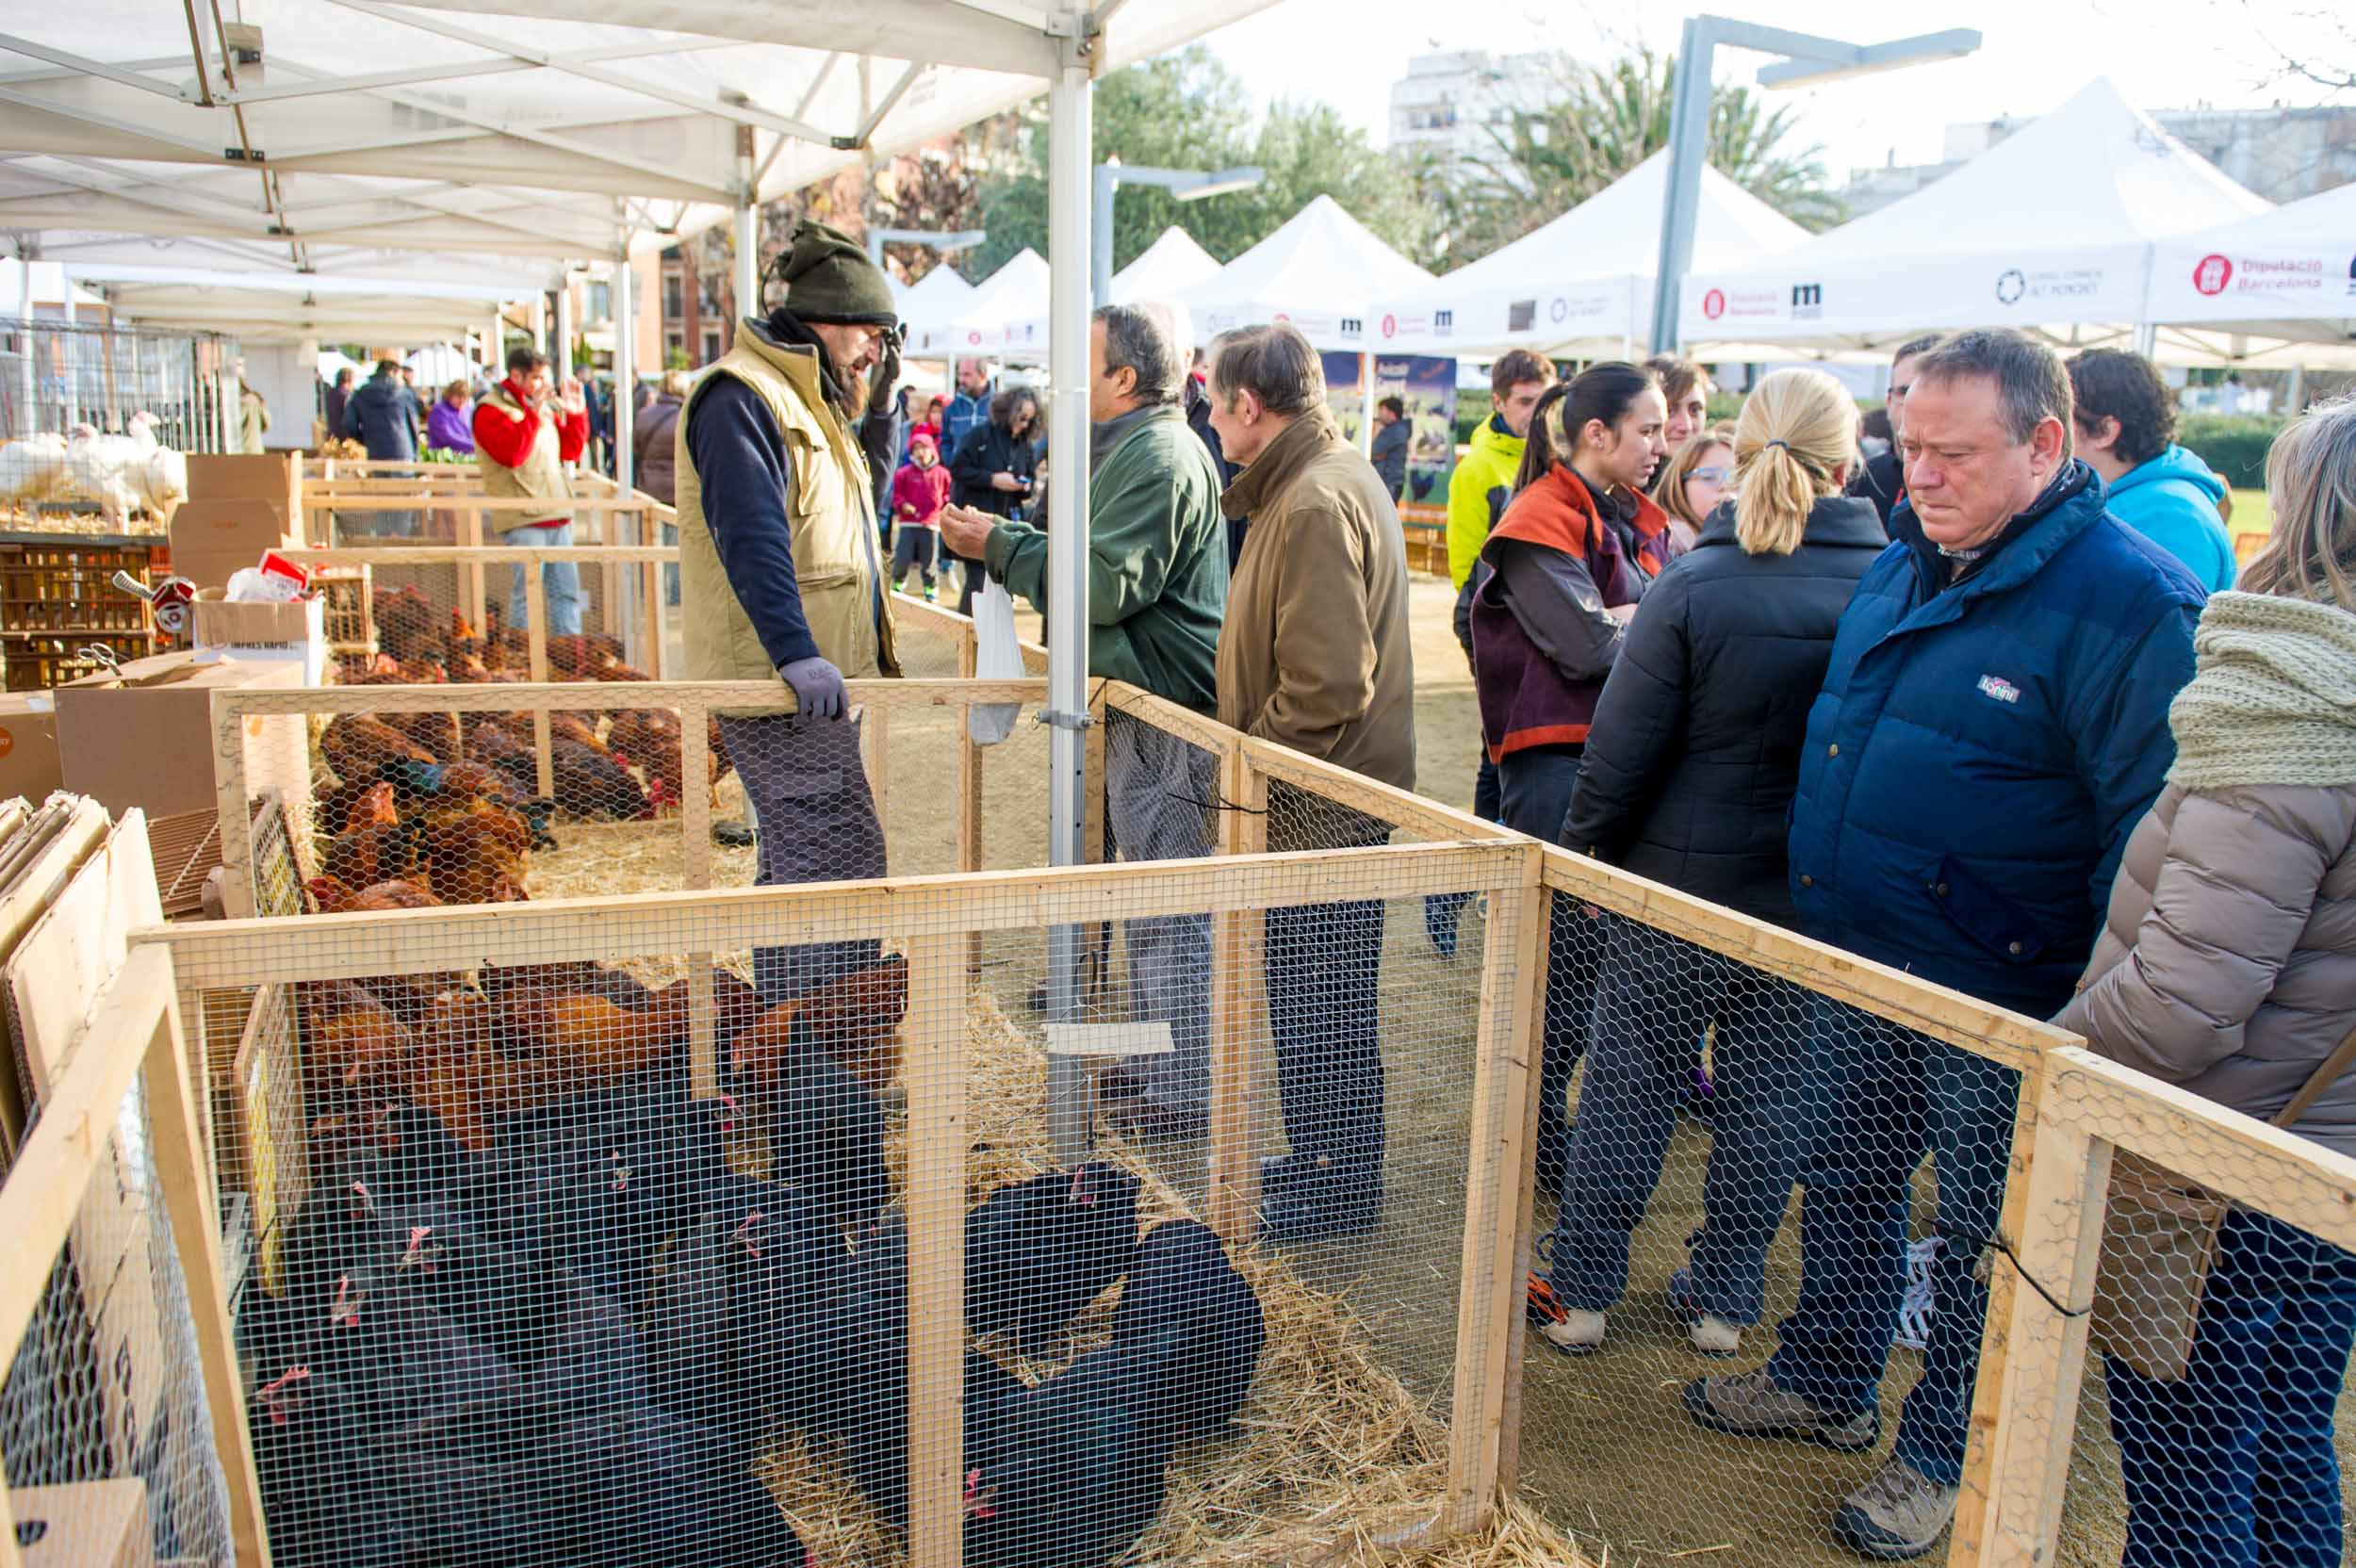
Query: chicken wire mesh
[[2213, 1422], [105, 1430], [441, 504], [94, 422], [440, 617], [556, 1305], [1764, 1218]]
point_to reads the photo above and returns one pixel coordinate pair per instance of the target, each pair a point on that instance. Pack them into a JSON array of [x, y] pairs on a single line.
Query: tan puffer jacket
[[2228, 962]]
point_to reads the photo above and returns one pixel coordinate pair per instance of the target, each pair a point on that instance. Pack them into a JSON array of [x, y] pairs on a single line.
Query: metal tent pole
[[748, 233], [1070, 111], [563, 356], [1689, 147], [625, 370]]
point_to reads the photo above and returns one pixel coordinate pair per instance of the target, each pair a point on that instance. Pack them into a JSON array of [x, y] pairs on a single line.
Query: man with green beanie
[[778, 572]]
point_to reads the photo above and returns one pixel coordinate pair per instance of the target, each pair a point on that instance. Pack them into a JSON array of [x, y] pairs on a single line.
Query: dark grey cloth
[[655, 441], [1155, 786], [1390, 455], [1558, 608], [1695, 751], [384, 415], [808, 787]]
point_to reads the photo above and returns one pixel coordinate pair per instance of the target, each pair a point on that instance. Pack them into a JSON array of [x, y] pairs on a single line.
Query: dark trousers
[[1324, 966], [1656, 997], [809, 790], [1534, 796], [1876, 1099], [2234, 1465]]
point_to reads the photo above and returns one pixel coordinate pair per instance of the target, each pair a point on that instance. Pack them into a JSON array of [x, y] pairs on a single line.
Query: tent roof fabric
[[1169, 267], [2050, 229], [1006, 314], [1583, 280], [555, 129], [933, 301], [2285, 279], [1323, 272]]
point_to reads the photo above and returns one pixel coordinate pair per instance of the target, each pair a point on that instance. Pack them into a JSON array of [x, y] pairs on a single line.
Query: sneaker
[[1900, 1513], [731, 835], [1570, 1330], [1749, 1404], [1711, 1335]]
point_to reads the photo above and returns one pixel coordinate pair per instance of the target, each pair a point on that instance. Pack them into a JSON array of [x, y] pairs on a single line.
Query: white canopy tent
[[2051, 229], [1581, 284], [1171, 267], [1006, 315], [2276, 288], [1322, 271], [289, 307], [930, 303]]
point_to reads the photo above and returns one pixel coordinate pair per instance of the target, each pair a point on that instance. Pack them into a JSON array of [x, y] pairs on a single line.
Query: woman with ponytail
[[1552, 591], [1687, 780]]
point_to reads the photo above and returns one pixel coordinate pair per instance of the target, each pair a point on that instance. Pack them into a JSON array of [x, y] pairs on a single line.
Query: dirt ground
[[1608, 1454]]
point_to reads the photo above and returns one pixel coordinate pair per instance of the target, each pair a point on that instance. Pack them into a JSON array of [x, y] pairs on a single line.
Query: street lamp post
[[1186, 185], [944, 240], [1808, 61]]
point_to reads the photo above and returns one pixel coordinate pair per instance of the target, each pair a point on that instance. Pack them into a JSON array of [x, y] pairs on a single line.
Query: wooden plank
[[1238, 1018], [1092, 778], [1904, 999], [595, 505], [1505, 1083], [969, 791], [536, 643], [660, 924], [229, 800], [478, 555], [2014, 1517], [1384, 802], [935, 1068], [1523, 1177], [703, 1035], [876, 735], [760, 696], [183, 1174], [1982, 1437], [59, 839], [476, 580], [1164, 714]]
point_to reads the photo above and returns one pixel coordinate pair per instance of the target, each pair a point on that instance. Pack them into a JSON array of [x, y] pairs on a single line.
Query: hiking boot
[[731, 835], [1900, 1513], [1303, 1197], [1749, 1404], [1711, 1335]]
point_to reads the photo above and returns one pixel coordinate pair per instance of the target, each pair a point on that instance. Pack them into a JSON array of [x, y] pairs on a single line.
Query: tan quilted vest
[[541, 474]]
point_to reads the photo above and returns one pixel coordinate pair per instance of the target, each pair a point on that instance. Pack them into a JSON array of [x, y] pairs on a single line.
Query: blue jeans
[[559, 579], [1656, 997], [1877, 1098], [2234, 1467], [1534, 796]]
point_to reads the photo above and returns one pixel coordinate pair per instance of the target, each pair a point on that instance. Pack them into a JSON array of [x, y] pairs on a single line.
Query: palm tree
[[1601, 122]]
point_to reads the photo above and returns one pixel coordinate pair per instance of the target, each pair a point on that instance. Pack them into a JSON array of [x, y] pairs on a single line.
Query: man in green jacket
[[1158, 594]]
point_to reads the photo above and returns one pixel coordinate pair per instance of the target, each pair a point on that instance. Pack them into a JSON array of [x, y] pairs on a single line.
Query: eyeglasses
[[1713, 473]]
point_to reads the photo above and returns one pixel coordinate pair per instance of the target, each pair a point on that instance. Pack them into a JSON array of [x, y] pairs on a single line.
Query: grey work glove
[[882, 383], [817, 687]]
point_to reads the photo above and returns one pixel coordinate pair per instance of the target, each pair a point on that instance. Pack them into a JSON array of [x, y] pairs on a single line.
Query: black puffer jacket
[[1695, 751], [992, 449]]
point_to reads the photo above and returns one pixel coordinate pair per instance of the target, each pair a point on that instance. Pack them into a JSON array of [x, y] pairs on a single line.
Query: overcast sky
[[2163, 53]]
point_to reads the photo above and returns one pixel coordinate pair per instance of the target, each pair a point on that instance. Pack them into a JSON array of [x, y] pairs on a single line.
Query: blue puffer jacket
[[1976, 757]]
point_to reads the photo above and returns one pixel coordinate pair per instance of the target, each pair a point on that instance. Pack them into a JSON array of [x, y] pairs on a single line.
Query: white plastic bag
[[997, 656]]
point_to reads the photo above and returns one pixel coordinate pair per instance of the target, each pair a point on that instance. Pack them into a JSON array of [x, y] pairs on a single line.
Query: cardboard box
[[84, 1524], [296, 632], [273, 477], [143, 736], [212, 539], [28, 746]]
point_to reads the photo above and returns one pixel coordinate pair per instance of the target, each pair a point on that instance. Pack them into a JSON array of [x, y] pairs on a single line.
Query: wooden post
[[1520, 1181], [936, 1297], [1504, 1083], [1968, 1546], [969, 794], [2013, 1518], [183, 1175], [229, 800], [876, 732], [478, 597], [536, 642], [1092, 840], [695, 815], [1239, 1014]]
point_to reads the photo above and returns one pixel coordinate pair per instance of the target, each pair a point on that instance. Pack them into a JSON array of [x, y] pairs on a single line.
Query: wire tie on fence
[[1996, 1240], [1222, 804]]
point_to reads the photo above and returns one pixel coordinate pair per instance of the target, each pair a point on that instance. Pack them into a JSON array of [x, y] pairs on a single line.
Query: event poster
[[1426, 384]]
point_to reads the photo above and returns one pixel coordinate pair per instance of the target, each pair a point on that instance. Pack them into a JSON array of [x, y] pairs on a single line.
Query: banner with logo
[[1876, 295], [1426, 384], [2261, 281], [1578, 319]]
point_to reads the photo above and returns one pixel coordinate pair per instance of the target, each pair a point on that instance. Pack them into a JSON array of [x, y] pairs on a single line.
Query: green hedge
[[1472, 409], [2234, 444]]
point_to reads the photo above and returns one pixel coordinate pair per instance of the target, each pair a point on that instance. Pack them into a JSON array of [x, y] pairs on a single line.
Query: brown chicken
[[469, 849], [361, 857], [358, 746], [488, 742], [469, 1092], [332, 809], [581, 655], [573, 727], [333, 896], [856, 1020], [465, 781], [354, 1040], [408, 627], [587, 1041], [649, 739]]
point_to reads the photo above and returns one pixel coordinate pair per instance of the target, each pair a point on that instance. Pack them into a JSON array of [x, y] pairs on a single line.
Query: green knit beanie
[[828, 278]]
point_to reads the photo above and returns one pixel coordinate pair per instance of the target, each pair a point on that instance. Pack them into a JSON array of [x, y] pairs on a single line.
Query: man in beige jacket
[[1315, 655]]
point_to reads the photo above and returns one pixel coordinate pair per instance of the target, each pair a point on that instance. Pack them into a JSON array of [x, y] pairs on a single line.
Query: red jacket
[[509, 441], [1525, 700], [918, 494]]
